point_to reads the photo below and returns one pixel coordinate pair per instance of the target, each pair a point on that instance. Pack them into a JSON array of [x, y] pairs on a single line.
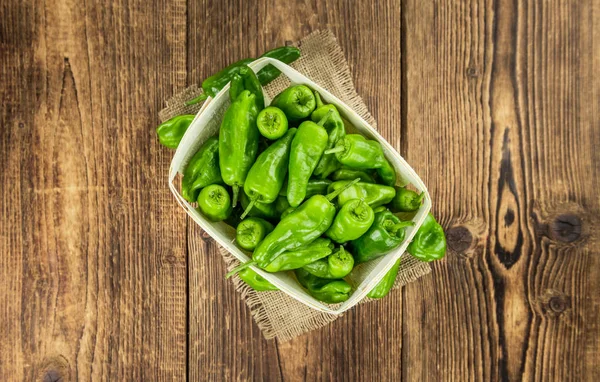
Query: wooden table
[[495, 103]]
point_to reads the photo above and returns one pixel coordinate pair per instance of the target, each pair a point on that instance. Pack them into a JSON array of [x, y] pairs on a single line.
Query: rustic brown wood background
[[495, 103]]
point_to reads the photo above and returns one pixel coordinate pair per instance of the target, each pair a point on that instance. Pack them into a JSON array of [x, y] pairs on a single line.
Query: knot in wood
[[459, 239], [558, 304], [472, 72], [566, 228], [52, 376]]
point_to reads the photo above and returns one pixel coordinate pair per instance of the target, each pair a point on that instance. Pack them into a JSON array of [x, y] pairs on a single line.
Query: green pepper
[[250, 232], [386, 234], [406, 200], [256, 281], [287, 211], [306, 151], [351, 222], [314, 187], [272, 123], [326, 290], [170, 132], [267, 174], [357, 152], [238, 141], [297, 102], [285, 54], [202, 170], [299, 257], [335, 130], [245, 79], [260, 210], [346, 173], [335, 266], [213, 84], [281, 204], [214, 202], [384, 286], [373, 194], [429, 242]]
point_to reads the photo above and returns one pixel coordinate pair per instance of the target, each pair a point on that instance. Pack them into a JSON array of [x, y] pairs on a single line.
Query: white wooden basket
[[207, 123]]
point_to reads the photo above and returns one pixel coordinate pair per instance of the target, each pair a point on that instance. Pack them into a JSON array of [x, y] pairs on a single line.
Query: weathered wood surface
[[495, 104]]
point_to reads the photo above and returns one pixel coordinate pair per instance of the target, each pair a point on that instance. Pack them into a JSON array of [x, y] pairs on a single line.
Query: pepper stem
[[236, 191], [248, 209], [318, 100], [325, 118], [196, 100], [335, 193], [334, 150], [240, 267]]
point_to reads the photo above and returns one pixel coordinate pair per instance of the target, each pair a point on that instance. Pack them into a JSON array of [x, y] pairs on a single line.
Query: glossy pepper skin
[[326, 290], [286, 54], [261, 210], [299, 257], [386, 234], [335, 266], [346, 173], [384, 286], [265, 178], [238, 141], [357, 152], [335, 130], [313, 187], [373, 194], [255, 281], [202, 170], [281, 204], [170, 132], [297, 102], [406, 200], [251, 231], [245, 79], [214, 202], [351, 222], [272, 123], [429, 243], [306, 151], [213, 84]]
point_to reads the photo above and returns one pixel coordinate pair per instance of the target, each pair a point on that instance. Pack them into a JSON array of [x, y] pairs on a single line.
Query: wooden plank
[[92, 251], [500, 101]]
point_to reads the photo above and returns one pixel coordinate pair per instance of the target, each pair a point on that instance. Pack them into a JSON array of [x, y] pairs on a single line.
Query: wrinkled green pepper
[[384, 286], [214, 202], [297, 102], [202, 170], [326, 290], [335, 130], [272, 123], [299, 257], [314, 187], [358, 152], [238, 141], [406, 200], [245, 79], [351, 222], [251, 231], [306, 151], [256, 281], [346, 173], [373, 194], [335, 266], [386, 234], [285, 54], [429, 243], [170, 132], [260, 210]]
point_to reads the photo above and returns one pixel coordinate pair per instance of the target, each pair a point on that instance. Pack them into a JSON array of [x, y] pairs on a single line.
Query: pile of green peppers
[[313, 200]]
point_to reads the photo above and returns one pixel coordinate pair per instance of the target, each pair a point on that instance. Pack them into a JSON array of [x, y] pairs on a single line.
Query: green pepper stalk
[[202, 170], [300, 227], [256, 281], [335, 266], [297, 258], [265, 178], [335, 130], [286, 54], [306, 151], [170, 132], [260, 210], [429, 242], [386, 234], [313, 187], [297, 102], [215, 203], [373, 194], [326, 290], [384, 286], [245, 79], [351, 222], [272, 123], [238, 141], [250, 232], [346, 173], [406, 200], [357, 152]]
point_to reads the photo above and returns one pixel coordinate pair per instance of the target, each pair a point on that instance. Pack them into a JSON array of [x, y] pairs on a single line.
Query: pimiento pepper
[[238, 141], [373, 194], [286, 54], [245, 79], [314, 187], [306, 151], [351, 222], [213, 84], [261, 210], [358, 152], [429, 242], [299, 257], [384, 285], [346, 173], [287, 211], [256, 281], [202, 170], [335, 130], [214, 202], [335, 266], [406, 200], [281, 204], [272, 123], [265, 178], [297, 102], [326, 290], [250, 232], [386, 233], [170, 132]]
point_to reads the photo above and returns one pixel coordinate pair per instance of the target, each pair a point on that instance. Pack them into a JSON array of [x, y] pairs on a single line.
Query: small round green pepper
[[215, 203], [406, 200], [429, 242], [251, 231], [297, 102], [272, 123], [335, 266], [351, 222]]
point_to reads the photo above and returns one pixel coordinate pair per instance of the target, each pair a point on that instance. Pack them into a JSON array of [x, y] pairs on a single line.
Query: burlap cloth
[[276, 314]]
